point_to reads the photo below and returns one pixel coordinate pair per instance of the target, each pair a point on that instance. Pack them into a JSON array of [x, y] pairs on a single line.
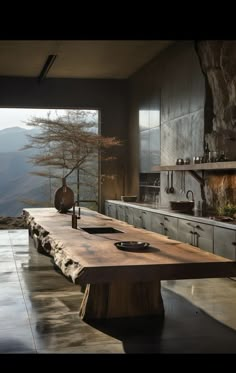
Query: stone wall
[[174, 79], [217, 59]]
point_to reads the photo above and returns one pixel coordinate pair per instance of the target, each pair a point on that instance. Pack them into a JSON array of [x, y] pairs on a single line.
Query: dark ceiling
[[107, 59]]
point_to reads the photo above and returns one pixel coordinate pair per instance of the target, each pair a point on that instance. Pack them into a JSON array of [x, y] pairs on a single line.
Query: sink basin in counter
[[101, 230]]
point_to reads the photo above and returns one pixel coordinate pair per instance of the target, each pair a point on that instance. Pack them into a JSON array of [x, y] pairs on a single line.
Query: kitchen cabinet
[[196, 234], [218, 240], [149, 136], [146, 220], [129, 216], [163, 224], [137, 218], [157, 223], [170, 226], [110, 209], [225, 242], [120, 212]]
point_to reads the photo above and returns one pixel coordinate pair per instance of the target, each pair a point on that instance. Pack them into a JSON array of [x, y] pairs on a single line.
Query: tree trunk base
[[122, 299]]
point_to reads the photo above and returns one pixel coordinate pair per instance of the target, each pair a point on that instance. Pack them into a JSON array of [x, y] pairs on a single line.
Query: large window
[[20, 188]]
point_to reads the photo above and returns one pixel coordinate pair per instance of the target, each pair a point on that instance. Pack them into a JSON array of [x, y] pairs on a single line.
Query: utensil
[[167, 189], [172, 189], [184, 182], [181, 182]]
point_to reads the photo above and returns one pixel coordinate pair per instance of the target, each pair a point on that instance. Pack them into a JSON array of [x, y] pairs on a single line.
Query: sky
[[16, 117]]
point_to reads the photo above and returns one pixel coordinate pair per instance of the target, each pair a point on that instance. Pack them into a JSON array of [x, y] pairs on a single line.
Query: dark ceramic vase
[[64, 197]]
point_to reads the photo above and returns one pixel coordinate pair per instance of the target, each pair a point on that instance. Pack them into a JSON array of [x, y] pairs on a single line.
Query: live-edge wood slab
[[119, 283]]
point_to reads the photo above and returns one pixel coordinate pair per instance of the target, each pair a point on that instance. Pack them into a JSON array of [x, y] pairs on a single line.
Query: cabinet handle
[[192, 238], [234, 243], [161, 223], [198, 227], [196, 236], [165, 218], [190, 225]]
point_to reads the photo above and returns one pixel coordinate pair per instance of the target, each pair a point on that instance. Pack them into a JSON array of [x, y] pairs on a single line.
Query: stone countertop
[[166, 211], [93, 258]]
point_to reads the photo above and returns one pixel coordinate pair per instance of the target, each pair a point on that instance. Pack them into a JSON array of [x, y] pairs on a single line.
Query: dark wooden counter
[[119, 283]]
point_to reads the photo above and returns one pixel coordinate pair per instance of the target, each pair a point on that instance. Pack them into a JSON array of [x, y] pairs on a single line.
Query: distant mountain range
[[16, 184]]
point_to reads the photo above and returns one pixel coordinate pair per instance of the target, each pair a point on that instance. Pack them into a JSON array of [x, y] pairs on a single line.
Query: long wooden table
[[119, 283]]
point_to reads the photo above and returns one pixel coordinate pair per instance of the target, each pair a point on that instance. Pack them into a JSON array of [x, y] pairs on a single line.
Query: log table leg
[[122, 299]]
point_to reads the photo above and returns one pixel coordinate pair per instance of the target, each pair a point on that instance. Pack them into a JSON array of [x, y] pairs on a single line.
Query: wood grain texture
[[119, 283], [122, 299], [230, 165], [93, 258]]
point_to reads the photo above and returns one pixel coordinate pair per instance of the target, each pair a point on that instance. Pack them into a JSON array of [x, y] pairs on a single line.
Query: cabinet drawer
[[204, 230], [171, 227], [146, 220], [204, 243], [110, 210], [129, 216], [137, 218], [121, 213], [186, 226], [197, 234], [157, 223], [185, 231], [224, 242]]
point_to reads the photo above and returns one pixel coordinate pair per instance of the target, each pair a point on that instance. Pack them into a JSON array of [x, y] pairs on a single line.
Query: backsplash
[[220, 190]]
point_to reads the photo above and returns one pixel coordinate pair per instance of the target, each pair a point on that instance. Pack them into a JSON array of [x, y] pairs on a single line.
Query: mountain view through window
[[19, 188]]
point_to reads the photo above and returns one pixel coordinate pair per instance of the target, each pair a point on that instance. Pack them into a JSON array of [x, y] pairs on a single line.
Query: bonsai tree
[[66, 144]]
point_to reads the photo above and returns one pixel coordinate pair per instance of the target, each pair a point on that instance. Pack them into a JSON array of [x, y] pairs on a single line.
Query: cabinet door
[[129, 216], [186, 231], [110, 209], [157, 223], [146, 220], [224, 242], [120, 212], [137, 218], [106, 208], [203, 236], [170, 227]]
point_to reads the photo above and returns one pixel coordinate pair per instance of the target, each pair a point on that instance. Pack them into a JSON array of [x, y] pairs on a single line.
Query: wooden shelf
[[149, 186], [230, 165]]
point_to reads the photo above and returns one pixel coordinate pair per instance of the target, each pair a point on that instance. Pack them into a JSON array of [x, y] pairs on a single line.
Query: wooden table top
[[100, 261]]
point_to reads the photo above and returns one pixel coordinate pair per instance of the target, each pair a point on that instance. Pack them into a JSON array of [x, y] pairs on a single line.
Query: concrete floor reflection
[[39, 312]]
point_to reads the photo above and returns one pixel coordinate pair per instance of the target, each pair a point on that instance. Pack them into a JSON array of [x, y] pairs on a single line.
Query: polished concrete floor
[[39, 312]]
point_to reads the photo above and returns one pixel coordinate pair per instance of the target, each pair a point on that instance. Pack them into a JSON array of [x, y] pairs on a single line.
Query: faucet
[[74, 216], [190, 191]]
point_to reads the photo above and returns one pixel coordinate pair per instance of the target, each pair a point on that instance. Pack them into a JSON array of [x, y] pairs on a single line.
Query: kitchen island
[[119, 283]]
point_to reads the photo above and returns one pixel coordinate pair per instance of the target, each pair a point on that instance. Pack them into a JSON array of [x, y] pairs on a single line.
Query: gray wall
[[174, 79], [109, 96]]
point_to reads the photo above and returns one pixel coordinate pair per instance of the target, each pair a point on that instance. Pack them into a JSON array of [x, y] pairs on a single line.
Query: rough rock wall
[[218, 62]]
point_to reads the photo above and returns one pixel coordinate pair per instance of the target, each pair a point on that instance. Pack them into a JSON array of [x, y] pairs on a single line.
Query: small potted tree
[[66, 143]]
